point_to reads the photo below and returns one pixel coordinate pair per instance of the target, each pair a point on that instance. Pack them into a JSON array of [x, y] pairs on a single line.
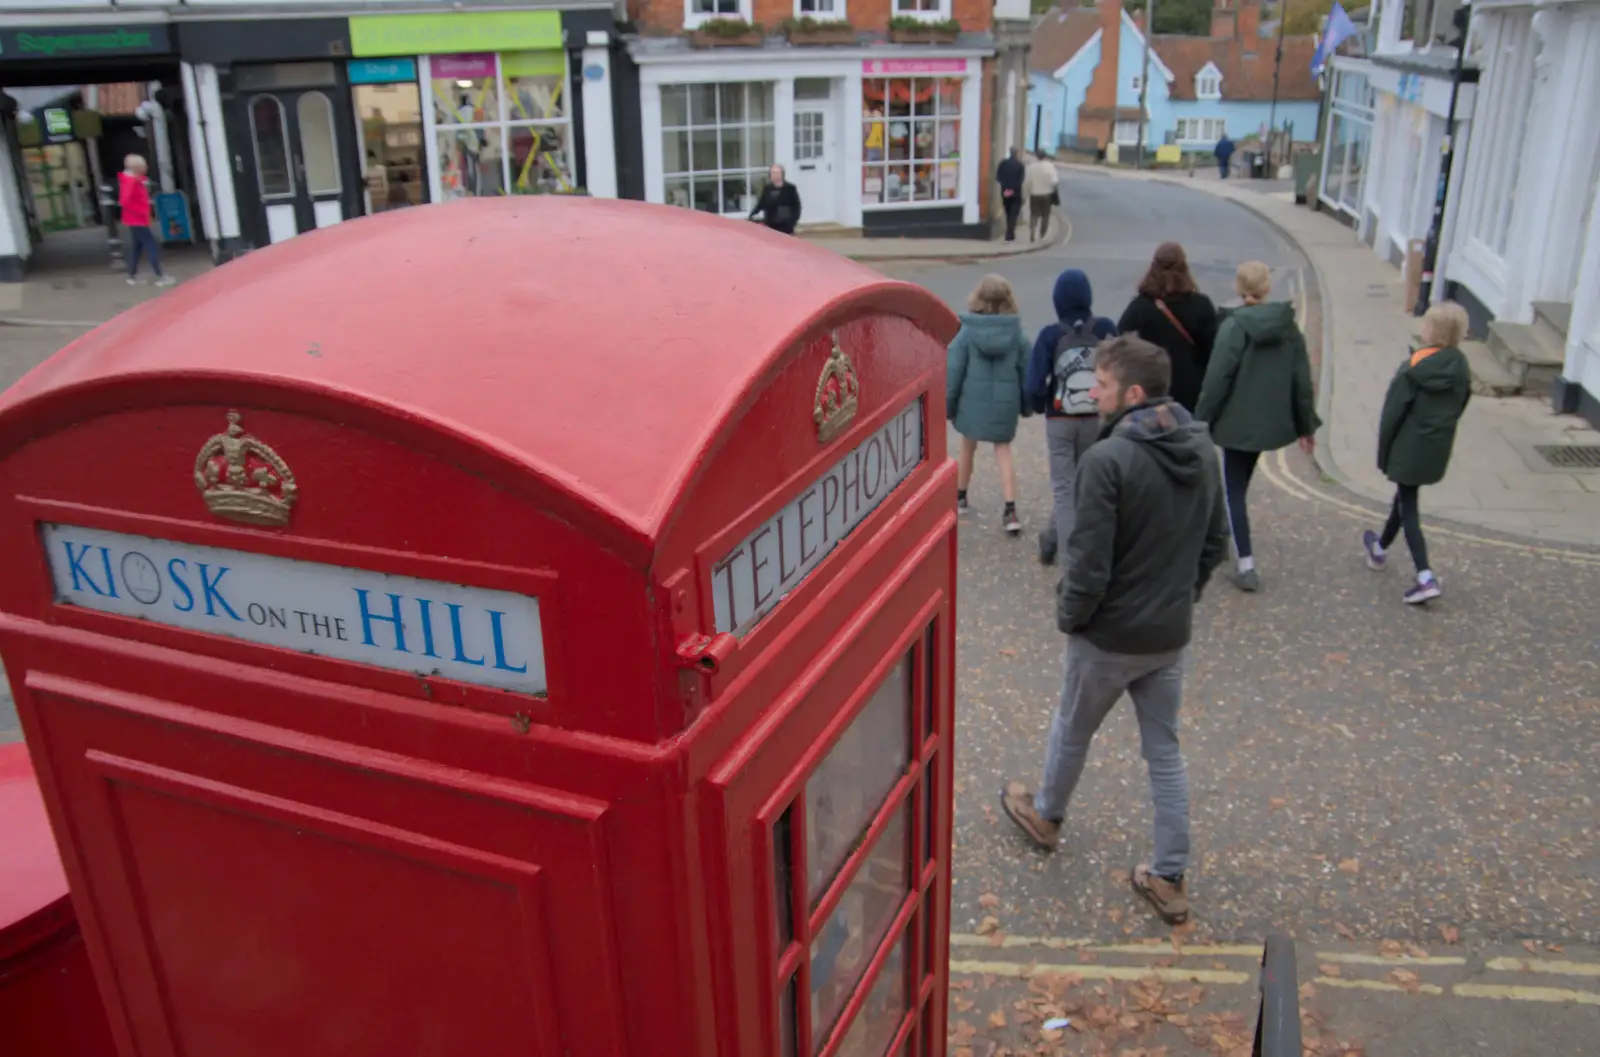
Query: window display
[[717, 143], [911, 139], [501, 123]]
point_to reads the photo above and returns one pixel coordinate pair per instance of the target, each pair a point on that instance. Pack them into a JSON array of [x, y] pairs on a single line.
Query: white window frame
[[941, 14], [1209, 74], [840, 12], [1117, 126], [716, 175], [693, 19]]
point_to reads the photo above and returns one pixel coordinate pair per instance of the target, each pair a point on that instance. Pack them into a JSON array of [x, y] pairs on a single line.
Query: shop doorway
[[815, 150], [302, 172], [394, 158]]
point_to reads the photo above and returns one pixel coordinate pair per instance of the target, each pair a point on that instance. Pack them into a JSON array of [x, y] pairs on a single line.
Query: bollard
[[1278, 1021]]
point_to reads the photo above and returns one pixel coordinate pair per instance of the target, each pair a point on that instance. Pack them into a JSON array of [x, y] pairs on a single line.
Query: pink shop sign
[[892, 67], [462, 67]]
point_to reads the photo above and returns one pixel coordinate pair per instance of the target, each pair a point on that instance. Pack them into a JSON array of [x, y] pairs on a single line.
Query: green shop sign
[[449, 34], [66, 42]]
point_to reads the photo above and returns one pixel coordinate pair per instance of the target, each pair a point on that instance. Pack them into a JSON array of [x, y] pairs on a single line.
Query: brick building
[[876, 131]]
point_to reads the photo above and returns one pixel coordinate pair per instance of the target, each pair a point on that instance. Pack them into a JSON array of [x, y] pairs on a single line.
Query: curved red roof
[[600, 345]]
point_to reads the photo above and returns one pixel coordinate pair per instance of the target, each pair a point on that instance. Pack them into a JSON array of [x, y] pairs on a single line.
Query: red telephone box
[[506, 627]]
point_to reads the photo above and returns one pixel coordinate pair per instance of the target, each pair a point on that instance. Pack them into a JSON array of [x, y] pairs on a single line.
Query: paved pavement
[[1361, 771], [1496, 479]]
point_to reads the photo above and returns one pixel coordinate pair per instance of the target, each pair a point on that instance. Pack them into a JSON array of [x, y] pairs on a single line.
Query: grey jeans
[[1094, 682], [1067, 439]]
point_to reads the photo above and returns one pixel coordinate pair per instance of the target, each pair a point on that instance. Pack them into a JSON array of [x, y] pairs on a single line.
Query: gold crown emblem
[[837, 393], [242, 479]]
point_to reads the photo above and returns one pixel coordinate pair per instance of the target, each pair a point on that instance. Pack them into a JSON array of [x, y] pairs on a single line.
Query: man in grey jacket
[[1150, 527]]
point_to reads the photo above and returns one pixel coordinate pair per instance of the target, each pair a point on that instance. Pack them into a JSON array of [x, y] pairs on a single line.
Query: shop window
[[717, 143], [911, 136], [501, 123]]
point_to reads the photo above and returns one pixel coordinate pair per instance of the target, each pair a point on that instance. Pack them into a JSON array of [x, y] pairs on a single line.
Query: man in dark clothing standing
[[1010, 176], [1149, 531], [1224, 153], [779, 203]]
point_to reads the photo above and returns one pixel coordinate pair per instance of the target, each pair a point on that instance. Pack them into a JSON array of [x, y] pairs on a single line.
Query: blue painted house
[[1084, 94]]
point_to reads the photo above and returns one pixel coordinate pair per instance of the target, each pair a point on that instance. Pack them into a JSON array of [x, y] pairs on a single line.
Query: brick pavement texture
[[1496, 480]]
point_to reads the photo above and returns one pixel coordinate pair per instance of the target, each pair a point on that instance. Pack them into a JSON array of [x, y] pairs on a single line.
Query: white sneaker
[[166, 280], [132, 281]]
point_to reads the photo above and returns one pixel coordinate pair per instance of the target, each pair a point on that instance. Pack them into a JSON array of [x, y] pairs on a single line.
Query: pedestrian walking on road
[[1041, 183], [779, 203], [1224, 153], [1416, 434], [1060, 376], [1150, 529], [1171, 311], [983, 387], [133, 195], [1010, 175], [1257, 398]]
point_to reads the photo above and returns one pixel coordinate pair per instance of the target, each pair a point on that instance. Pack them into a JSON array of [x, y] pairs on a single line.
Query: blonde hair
[[993, 297], [1444, 324], [135, 162], [1253, 279]]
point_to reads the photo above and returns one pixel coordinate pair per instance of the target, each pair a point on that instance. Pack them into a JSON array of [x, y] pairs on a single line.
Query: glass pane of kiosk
[[845, 946], [874, 1027], [849, 786]]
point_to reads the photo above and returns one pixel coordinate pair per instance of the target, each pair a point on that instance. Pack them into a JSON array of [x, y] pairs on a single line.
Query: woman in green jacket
[[984, 385], [1256, 398], [1416, 434]]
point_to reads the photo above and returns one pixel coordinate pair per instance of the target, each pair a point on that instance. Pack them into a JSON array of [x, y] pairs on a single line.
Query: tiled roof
[[1059, 34], [1245, 77]]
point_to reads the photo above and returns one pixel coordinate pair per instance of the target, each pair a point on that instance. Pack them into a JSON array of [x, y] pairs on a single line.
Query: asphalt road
[[1360, 770]]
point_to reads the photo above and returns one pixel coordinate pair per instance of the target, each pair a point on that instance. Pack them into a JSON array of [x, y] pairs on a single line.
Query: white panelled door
[[815, 155]]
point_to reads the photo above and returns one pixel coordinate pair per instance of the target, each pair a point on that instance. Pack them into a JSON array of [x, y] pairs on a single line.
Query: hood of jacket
[[1437, 372], [1073, 296], [993, 336], [1169, 434], [1269, 323]]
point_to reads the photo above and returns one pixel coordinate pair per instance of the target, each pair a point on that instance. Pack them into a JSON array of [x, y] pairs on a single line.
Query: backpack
[[1073, 369]]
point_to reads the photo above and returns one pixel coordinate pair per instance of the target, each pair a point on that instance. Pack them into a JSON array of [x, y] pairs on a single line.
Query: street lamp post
[[1277, 66], [1430, 253]]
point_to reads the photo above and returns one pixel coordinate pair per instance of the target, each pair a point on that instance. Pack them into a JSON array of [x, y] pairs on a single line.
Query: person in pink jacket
[[133, 194]]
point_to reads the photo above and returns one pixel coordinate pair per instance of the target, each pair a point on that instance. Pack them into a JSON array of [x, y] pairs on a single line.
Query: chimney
[[1222, 21], [1098, 114], [1249, 21]]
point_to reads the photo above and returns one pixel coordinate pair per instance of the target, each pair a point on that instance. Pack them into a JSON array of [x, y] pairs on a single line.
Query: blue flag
[[1338, 30]]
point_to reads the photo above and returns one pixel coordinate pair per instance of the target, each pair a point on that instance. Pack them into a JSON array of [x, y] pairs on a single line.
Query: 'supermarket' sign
[[72, 41]]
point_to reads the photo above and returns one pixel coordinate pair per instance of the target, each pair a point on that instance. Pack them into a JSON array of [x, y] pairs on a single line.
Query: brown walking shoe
[[1170, 900], [1017, 803]]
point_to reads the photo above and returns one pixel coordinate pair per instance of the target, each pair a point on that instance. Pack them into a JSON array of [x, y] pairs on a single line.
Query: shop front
[[487, 108], [888, 143], [333, 118]]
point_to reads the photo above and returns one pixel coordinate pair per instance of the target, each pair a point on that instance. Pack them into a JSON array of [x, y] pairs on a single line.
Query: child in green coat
[[983, 387], [1416, 433]]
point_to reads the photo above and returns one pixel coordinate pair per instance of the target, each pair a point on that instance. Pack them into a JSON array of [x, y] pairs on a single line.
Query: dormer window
[[1208, 83]]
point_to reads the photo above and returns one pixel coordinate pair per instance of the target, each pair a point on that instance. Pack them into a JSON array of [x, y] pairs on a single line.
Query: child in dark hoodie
[[1060, 372], [1417, 432], [1256, 398]]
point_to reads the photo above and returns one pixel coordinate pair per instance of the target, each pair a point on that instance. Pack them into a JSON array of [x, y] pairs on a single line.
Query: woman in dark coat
[[779, 204], [1170, 311], [1416, 434]]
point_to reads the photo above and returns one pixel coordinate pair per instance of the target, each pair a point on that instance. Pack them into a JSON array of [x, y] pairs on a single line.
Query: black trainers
[[1009, 519]]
